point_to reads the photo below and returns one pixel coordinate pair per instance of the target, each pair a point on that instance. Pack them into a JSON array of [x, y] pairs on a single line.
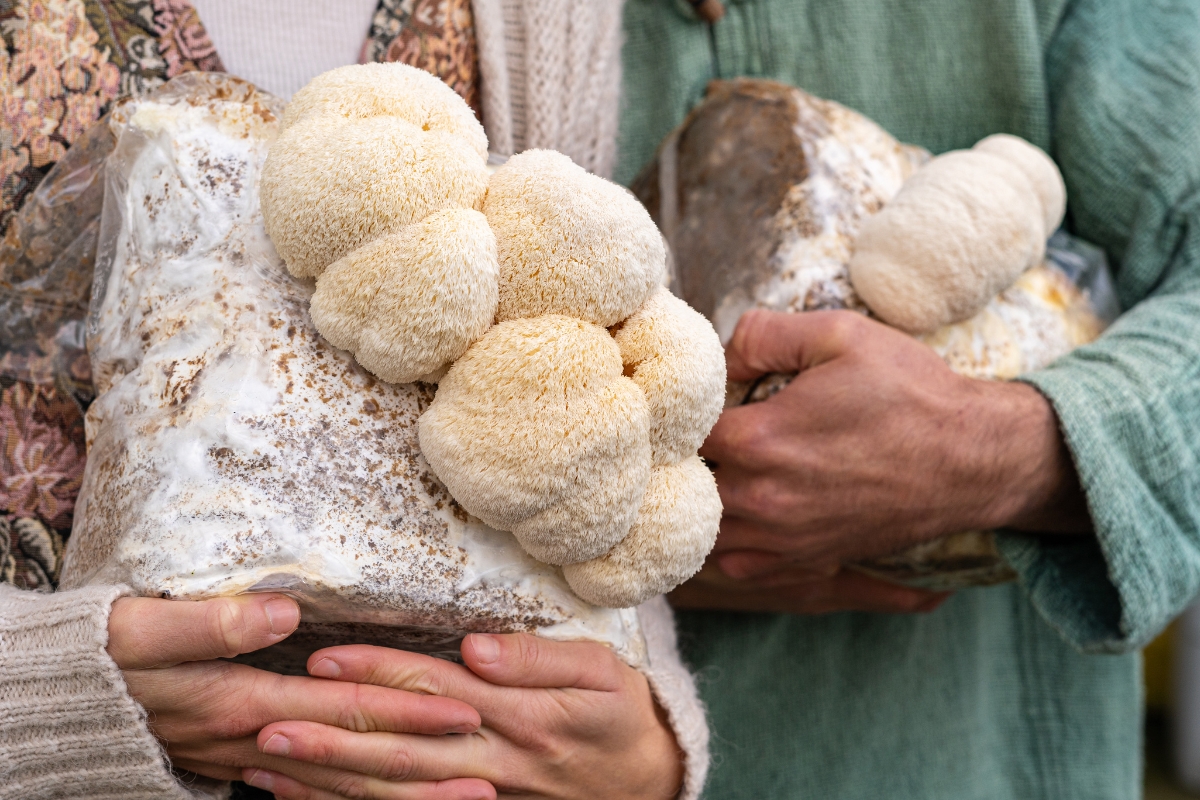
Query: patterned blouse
[[63, 65]]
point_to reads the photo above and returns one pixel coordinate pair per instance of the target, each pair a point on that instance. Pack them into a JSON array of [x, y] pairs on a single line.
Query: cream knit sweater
[[550, 76]]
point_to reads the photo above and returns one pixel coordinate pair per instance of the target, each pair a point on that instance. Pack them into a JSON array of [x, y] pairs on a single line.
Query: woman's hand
[[562, 720], [207, 712]]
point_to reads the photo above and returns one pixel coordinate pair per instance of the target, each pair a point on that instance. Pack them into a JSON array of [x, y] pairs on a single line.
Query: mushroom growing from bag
[[574, 390]]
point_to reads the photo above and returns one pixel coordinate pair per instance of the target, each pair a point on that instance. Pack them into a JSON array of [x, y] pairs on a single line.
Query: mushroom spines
[[676, 358], [1039, 168], [329, 186], [410, 302], [570, 242], [675, 529], [535, 430], [959, 231], [395, 90]]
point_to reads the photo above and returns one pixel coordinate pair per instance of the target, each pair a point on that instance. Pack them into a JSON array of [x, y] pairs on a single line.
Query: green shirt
[[1022, 691]]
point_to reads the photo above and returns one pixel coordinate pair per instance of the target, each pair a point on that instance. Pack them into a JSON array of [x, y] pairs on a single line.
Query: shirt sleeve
[[1124, 80], [68, 727]]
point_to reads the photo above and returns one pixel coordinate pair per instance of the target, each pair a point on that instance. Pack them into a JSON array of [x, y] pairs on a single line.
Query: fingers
[[846, 591], [411, 672], [521, 659], [386, 756], [147, 632], [207, 701], [285, 788], [761, 564], [771, 341]]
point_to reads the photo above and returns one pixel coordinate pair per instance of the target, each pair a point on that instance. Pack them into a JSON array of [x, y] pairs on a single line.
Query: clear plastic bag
[[231, 449], [761, 193]]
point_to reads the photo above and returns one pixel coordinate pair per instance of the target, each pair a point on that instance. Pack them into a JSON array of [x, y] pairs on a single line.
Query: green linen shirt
[[1022, 691]]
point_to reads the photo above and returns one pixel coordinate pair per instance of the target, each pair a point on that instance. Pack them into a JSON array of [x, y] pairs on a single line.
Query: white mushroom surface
[[536, 431], [960, 230], [570, 242], [676, 527], [674, 356], [332, 185], [408, 303]]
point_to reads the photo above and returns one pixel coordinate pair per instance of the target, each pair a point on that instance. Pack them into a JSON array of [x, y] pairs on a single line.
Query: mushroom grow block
[[761, 193], [232, 449]]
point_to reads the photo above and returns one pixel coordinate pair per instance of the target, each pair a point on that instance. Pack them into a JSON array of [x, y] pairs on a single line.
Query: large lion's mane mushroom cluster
[[578, 388]]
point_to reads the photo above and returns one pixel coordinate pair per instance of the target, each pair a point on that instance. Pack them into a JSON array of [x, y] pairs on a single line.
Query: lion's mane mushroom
[[404, 301], [675, 528], [675, 357], [536, 431], [374, 188], [570, 242], [573, 389], [959, 231]]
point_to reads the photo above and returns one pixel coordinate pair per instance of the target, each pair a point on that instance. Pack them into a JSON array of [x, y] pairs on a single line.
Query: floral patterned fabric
[[436, 35], [64, 63]]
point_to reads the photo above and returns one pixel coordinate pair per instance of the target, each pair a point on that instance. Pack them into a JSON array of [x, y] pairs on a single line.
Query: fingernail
[[466, 727], [262, 780], [325, 668], [277, 745], [487, 649], [283, 615]]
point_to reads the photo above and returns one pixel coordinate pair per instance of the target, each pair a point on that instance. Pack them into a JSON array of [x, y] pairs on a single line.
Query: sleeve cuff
[[68, 727], [675, 690]]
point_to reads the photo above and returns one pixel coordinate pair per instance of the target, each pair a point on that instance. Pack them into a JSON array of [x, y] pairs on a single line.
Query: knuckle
[[399, 764], [843, 328], [351, 715], [350, 786], [224, 622]]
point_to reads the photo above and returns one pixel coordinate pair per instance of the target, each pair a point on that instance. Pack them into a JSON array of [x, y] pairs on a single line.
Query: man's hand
[[562, 720], [794, 590], [876, 445], [207, 712]]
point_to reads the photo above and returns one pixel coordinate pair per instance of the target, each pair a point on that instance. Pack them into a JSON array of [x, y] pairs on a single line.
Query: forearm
[[1026, 477]]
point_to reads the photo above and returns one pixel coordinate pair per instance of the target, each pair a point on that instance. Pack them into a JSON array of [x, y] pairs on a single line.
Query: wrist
[[1029, 481]]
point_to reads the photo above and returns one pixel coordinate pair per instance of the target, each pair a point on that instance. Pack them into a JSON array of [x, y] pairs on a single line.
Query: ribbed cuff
[[68, 727], [675, 690]]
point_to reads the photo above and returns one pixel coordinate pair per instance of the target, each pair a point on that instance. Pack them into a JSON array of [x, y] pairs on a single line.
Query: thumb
[[147, 632], [773, 341], [521, 659]]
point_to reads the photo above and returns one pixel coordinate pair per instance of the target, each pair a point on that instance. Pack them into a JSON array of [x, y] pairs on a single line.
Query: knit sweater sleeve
[[1125, 93], [675, 690], [68, 727]]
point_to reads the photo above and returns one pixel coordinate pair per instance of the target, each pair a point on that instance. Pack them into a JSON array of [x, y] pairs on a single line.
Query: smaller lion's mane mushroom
[[570, 242], [536, 431], [1038, 167], [408, 303], [959, 231], [333, 181], [676, 358], [676, 527]]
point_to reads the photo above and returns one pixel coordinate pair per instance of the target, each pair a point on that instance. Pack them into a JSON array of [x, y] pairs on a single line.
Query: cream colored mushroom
[[330, 185], [1038, 167], [675, 356], [410, 302], [676, 527], [535, 430], [570, 242], [396, 90], [961, 229]]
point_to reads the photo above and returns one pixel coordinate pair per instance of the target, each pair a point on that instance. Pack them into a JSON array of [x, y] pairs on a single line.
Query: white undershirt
[[280, 45]]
